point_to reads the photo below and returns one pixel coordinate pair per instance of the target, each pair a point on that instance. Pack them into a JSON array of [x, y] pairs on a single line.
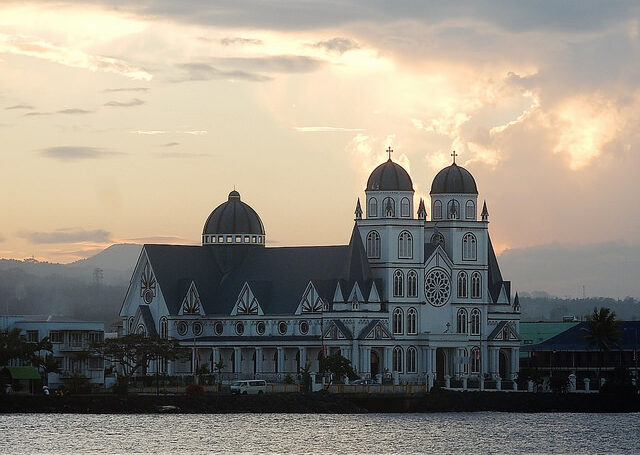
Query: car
[[366, 381], [250, 387]]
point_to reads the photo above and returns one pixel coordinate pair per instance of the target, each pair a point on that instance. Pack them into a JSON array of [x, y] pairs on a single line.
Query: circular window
[[239, 328], [261, 328], [304, 327], [219, 328], [197, 328], [147, 295], [437, 287], [182, 328], [282, 327]]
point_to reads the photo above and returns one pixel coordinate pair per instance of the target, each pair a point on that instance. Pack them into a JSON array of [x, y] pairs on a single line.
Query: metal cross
[[454, 154], [389, 151]]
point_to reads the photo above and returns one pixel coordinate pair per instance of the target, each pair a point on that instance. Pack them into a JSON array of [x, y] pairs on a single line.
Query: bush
[[288, 379], [194, 389]]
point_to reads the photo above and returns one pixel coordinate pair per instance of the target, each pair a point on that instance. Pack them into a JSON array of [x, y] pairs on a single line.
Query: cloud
[[196, 132], [2, 238], [127, 89], [132, 103], [338, 45], [206, 72], [183, 155], [148, 132], [323, 129], [240, 41], [272, 64], [170, 144], [162, 239], [75, 58], [66, 236], [73, 111], [74, 153], [36, 114], [20, 106]]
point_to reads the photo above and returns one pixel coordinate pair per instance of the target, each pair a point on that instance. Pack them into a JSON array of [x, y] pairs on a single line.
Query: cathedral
[[414, 297]]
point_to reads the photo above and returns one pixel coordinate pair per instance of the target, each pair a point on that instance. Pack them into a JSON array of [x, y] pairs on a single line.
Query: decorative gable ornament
[[311, 301], [191, 303], [247, 304], [147, 284], [377, 332]]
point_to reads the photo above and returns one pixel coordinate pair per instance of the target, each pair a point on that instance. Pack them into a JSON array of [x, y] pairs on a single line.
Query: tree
[[14, 346], [602, 331], [133, 353], [338, 365], [219, 366]]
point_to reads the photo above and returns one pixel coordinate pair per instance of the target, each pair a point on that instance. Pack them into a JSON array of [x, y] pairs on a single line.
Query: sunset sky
[[125, 123]]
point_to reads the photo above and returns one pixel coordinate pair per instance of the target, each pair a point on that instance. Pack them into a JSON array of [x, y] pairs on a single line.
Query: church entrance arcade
[[374, 364]]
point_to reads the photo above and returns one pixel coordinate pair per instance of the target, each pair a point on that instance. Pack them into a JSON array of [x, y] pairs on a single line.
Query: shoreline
[[322, 403]]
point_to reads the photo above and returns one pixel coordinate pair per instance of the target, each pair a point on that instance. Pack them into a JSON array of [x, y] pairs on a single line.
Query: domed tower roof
[[389, 176], [454, 179], [233, 217]]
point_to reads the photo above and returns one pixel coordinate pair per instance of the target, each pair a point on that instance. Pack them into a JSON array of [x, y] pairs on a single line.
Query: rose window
[[437, 287]]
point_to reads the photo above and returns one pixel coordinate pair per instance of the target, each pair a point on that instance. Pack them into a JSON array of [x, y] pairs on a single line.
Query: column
[[259, 357], [365, 359], [355, 357], [238, 359], [515, 362], [303, 356], [280, 360], [388, 354]]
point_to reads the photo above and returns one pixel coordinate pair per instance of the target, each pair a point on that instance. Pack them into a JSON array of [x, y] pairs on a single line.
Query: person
[[45, 390]]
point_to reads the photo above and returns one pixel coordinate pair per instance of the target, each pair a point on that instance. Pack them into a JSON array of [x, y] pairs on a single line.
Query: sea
[[447, 433]]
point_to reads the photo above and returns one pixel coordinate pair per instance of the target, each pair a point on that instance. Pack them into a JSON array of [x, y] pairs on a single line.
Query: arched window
[[453, 210], [398, 283], [405, 245], [373, 208], [437, 210], [461, 321], [373, 245], [398, 316], [438, 239], [469, 247], [462, 285], [476, 285], [405, 209], [470, 210], [388, 207], [164, 328], [397, 359], [475, 360], [412, 360], [412, 284], [412, 321], [475, 321], [465, 363]]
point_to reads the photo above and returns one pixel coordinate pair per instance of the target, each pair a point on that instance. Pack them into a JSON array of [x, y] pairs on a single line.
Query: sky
[[124, 123]]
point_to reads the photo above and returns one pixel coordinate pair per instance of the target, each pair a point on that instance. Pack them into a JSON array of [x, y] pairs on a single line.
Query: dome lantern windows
[[373, 208]]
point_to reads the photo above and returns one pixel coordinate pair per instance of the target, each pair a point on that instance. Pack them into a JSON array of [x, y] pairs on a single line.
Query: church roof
[[277, 276], [454, 179], [495, 276], [389, 176], [233, 217]]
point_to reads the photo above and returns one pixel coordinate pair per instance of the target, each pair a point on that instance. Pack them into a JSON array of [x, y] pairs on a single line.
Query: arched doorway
[[441, 364], [375, 364], [503, 367]]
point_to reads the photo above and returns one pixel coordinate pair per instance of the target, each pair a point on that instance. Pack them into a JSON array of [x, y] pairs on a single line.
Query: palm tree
[[602, 332]]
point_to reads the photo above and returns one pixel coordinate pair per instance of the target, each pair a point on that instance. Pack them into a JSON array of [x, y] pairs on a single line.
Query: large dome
[[454, 179], [389, 176], [233, 217]]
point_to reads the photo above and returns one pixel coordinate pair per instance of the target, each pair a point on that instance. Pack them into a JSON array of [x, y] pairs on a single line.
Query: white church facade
[[414, 296]]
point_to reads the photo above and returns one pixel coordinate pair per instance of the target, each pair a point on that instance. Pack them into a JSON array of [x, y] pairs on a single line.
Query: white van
[[251, 387]]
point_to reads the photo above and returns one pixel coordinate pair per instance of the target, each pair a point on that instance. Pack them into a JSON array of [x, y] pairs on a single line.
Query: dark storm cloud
[[20, 106], [66, 236], [75, 153], [134, 102], [207, 72], [338, 45]]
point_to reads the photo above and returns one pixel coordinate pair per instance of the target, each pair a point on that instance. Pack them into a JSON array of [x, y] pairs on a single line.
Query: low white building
[[69, 337], [415, 297]]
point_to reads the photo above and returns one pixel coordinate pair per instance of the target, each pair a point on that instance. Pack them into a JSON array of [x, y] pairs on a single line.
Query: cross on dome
[[454, 154], [389, 151]]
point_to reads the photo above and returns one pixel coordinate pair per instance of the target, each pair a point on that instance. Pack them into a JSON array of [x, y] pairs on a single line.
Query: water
[[452, 433]]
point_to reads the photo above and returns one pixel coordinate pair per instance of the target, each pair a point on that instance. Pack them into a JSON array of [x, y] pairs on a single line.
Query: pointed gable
[[356, 294], [336, 330], [191, 304], [338, 296], [311, 301], [375, 330], [504, 332], [374, 295], [356, 266], [247, 302]]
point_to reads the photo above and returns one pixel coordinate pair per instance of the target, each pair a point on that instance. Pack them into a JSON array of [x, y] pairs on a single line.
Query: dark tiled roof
[[495, 277], [233, 217], [389, 176], [148, 320], [573, 339], [454, 179]]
